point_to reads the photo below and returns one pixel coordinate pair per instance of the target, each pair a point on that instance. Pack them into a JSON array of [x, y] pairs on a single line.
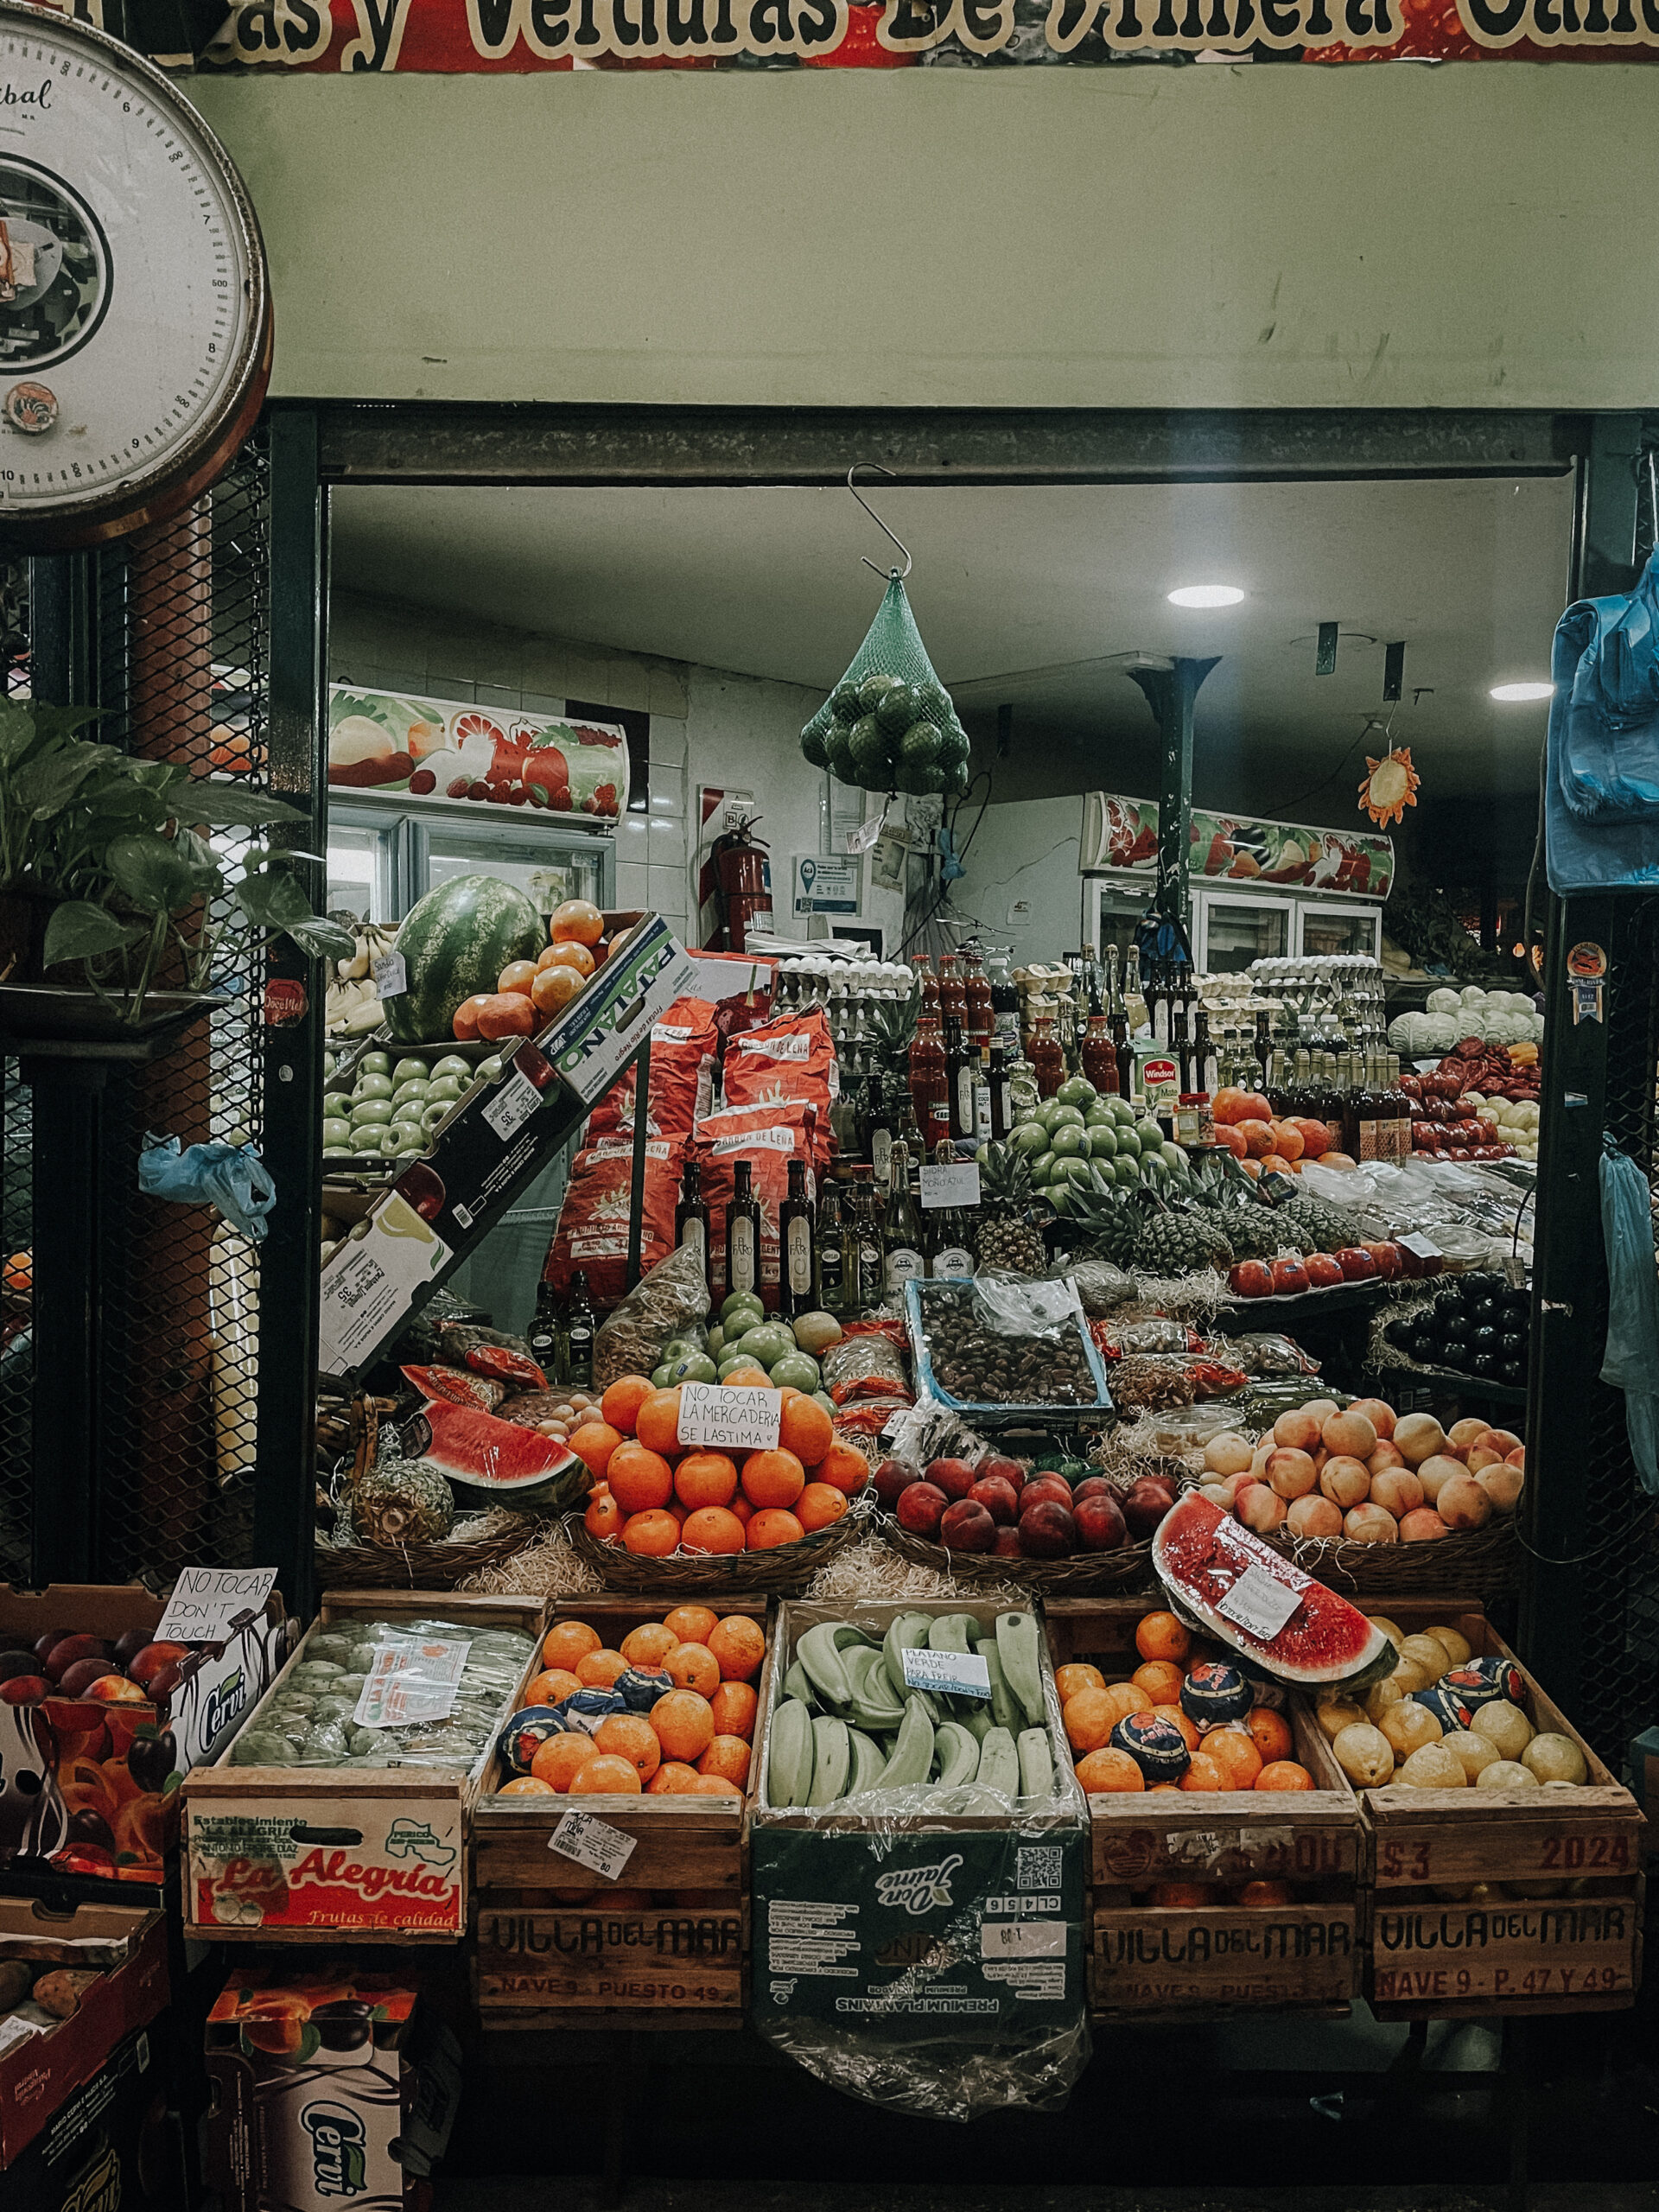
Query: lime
[[1043, 1166], [1073, 1171], [919, 744], [1122, 1110], [841, 755], [1059, 1196], [1029, 1136], [1102, 1143], [695, 1367], [813, 749], [375, 1064], [744, 1301], [795, 1371], [1174, 1158], [868, 740], [1126, 1170], [1099, 1116], [1076, 1091], [843, 703], [336, 1132], [898, 708], [1148, 1135], [936, 703], [914, 776], [1154, 1169], [874, 689], [1067, 1141]]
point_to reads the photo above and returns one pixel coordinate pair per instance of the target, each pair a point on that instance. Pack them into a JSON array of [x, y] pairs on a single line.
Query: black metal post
[[1170, 693], [283, 1514], [637, 1181]]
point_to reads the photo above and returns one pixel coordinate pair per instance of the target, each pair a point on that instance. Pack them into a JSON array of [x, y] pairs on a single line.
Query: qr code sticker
[[1038, 1869]]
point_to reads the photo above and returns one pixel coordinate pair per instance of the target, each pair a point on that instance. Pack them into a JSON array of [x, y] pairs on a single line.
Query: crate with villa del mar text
[[1223, 1899], [1503, 1902], [609, 1909]]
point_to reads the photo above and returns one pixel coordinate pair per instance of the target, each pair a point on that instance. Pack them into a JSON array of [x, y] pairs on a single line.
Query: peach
[[1292, 1473], [149, 1662], [1435, 1471], [1260, 1508], [1505, 1439], [1386, 1455], [1228, 1454], [1517, 1458], [116, 1689], [1462, 1503], [1398, 1490], [1297, 1431], [1351, 1434], [1370, 1524], [1422, 1526], [1313, 1516], [1259, 1459], [1502, 1484], [1463, 1434], [1418, 1437], [1321, 1410], [1380, 1415], [1481, 1455], [1345, 1482]]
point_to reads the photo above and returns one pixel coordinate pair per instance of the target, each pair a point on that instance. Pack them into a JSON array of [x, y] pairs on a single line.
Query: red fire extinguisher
[[742, 884]]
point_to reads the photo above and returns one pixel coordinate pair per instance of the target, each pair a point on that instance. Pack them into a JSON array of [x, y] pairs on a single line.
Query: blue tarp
[[1601, 797]]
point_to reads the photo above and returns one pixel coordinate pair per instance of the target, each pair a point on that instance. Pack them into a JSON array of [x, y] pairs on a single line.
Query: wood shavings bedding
[[548, 1567], [873, 1569], [1180, 1298]]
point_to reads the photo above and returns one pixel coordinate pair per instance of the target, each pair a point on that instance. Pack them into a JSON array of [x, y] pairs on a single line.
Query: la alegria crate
[[1224, 1899], [1503, 1902]]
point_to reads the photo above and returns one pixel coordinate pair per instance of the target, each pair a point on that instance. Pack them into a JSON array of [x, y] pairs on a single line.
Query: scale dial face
[[135, 326]]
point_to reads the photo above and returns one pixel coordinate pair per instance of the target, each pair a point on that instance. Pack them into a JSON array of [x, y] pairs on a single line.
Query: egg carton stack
[[1450, 1015]]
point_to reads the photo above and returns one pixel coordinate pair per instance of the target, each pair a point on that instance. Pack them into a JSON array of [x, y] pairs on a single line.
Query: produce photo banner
[[465, 37]]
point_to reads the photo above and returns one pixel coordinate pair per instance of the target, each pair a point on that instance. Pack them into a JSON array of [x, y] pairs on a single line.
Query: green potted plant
[[104, 865]]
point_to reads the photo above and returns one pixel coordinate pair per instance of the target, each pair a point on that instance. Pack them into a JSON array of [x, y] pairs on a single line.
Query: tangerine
[[819, 1504], [597, 1670], [1263, 1897], [1202, 1773], [1160, 1636], [657, 1421], [608, 1776], [1161, 1680], [733, 1706], [593, 1443], [558, 1761], [693, 1667], [1233, 1752], [691, 1623], [526, 1785], [651, 1536], [1177, 1718], [518, 975], [747, 1378], [705, 1478], [1089, 1718], [672, 1779], [568, 953], [1284, 1774], [744, 1510], [577, 921], [604, 1519], [726, 1755], [465, 1024], [630, 1736], [712, 1529], [739, 1643], [1126, 1698], [648, 1645], [805, 1429], [715, 1785], [568, 1640], [553, 988], [1107, 1771], [1183, 1897], [767, 1530], [623, 1400], [556, 1683], [773, 1478], [1079, 1676], [845, 1466], [639, 1480], [684, 1723], [1271, 1734]]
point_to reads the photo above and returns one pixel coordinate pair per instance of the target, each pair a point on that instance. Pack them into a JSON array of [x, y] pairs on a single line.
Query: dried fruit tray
[[996, 1412]]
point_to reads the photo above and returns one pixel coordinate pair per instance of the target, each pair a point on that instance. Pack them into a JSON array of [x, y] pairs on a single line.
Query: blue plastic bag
[[231, 1176], [1601, 792], [1631, 1363]]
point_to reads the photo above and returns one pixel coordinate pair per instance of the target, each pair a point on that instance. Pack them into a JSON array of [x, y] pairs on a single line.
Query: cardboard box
[[606, 1022], [39, 2072], [377, 1854], [114, 2145], [326, 2084], [103, 1800]]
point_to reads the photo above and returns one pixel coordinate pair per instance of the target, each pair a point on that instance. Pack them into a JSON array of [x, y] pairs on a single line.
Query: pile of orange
[[1255, 1753], [654, 1497], [694, 1741], [1245, 1123]]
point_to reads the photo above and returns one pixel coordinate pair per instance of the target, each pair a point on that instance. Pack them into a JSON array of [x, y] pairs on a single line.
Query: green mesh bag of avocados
[[889, 725]]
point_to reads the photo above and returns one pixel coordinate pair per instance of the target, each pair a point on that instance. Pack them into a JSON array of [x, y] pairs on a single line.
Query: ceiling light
[[1206, 595], [1512, 693]]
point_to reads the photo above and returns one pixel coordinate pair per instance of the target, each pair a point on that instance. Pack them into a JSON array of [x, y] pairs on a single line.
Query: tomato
[[1249, 1278], [1355, 1263], [466, 1021], [1290, 1277], [1322, 1270]]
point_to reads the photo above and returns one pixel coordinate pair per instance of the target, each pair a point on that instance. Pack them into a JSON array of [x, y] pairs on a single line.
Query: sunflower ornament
[[1389, 786]]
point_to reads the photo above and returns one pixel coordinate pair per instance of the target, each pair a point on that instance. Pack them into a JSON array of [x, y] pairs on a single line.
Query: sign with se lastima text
[[461, 37]]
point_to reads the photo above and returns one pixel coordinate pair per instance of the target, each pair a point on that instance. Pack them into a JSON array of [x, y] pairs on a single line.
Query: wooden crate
[[318, 1854], [1562, 1933], [667, 1944], [1149, 1959]]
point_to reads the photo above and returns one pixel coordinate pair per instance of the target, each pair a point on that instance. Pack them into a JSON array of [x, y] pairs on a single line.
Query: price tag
[[206, 1599], [716, 1419], [1260, 1603], [861, 840], [1022, 1939], [957, 1673], [390, 975], [1420, 1247], [515, 1101], [956, 1185], [592, 1843]]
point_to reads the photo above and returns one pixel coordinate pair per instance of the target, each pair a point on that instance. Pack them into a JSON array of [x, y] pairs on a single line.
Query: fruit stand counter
[[1228, 1898], [1491, 1902], [634, 1912]]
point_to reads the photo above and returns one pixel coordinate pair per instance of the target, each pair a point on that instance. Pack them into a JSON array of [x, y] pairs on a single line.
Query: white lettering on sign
[[958, 1674], [796, 1047], [592, 1843], [206, 1599], [1260, 1603], [715, 1419], [954, 1185]]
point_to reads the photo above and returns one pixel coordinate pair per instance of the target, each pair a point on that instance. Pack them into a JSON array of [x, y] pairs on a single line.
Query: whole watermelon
[[455, 942]]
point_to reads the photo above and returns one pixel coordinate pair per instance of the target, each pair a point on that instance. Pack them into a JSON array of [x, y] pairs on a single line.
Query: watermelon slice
[[1222, 1577], [498, 1457]]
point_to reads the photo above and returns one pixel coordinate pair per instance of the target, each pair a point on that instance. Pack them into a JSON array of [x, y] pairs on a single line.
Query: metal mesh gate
[[16, 1138]]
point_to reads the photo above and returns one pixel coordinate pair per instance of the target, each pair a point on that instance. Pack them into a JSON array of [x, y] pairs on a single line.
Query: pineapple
[[1328, 1227], [889, 1028], [400, 1501], [1107, 1224], [1181, 1240], [1005, 1236]]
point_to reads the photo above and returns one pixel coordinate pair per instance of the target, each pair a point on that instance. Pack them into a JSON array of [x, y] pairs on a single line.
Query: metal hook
[[909, 564]]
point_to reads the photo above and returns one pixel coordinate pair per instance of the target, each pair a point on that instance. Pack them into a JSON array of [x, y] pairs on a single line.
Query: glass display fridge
[[1346, 932], [1232, 928]]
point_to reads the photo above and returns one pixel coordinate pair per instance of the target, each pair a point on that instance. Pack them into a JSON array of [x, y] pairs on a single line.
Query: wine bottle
[[831, 1271], [902, 1229], [795, 1257], [578, 1361], [742, 1232], [691, 1215]]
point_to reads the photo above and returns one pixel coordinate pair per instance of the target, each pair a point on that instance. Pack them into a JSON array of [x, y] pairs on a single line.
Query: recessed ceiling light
[[1513, 693], [1206, 595]]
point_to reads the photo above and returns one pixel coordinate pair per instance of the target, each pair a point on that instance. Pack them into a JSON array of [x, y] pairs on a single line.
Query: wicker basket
[[417, 1566], [1480, 1563], [780, 1572], [1085, 1574]]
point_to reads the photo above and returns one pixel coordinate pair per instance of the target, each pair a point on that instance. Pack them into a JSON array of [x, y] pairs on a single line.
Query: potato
[[60, 1993]]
